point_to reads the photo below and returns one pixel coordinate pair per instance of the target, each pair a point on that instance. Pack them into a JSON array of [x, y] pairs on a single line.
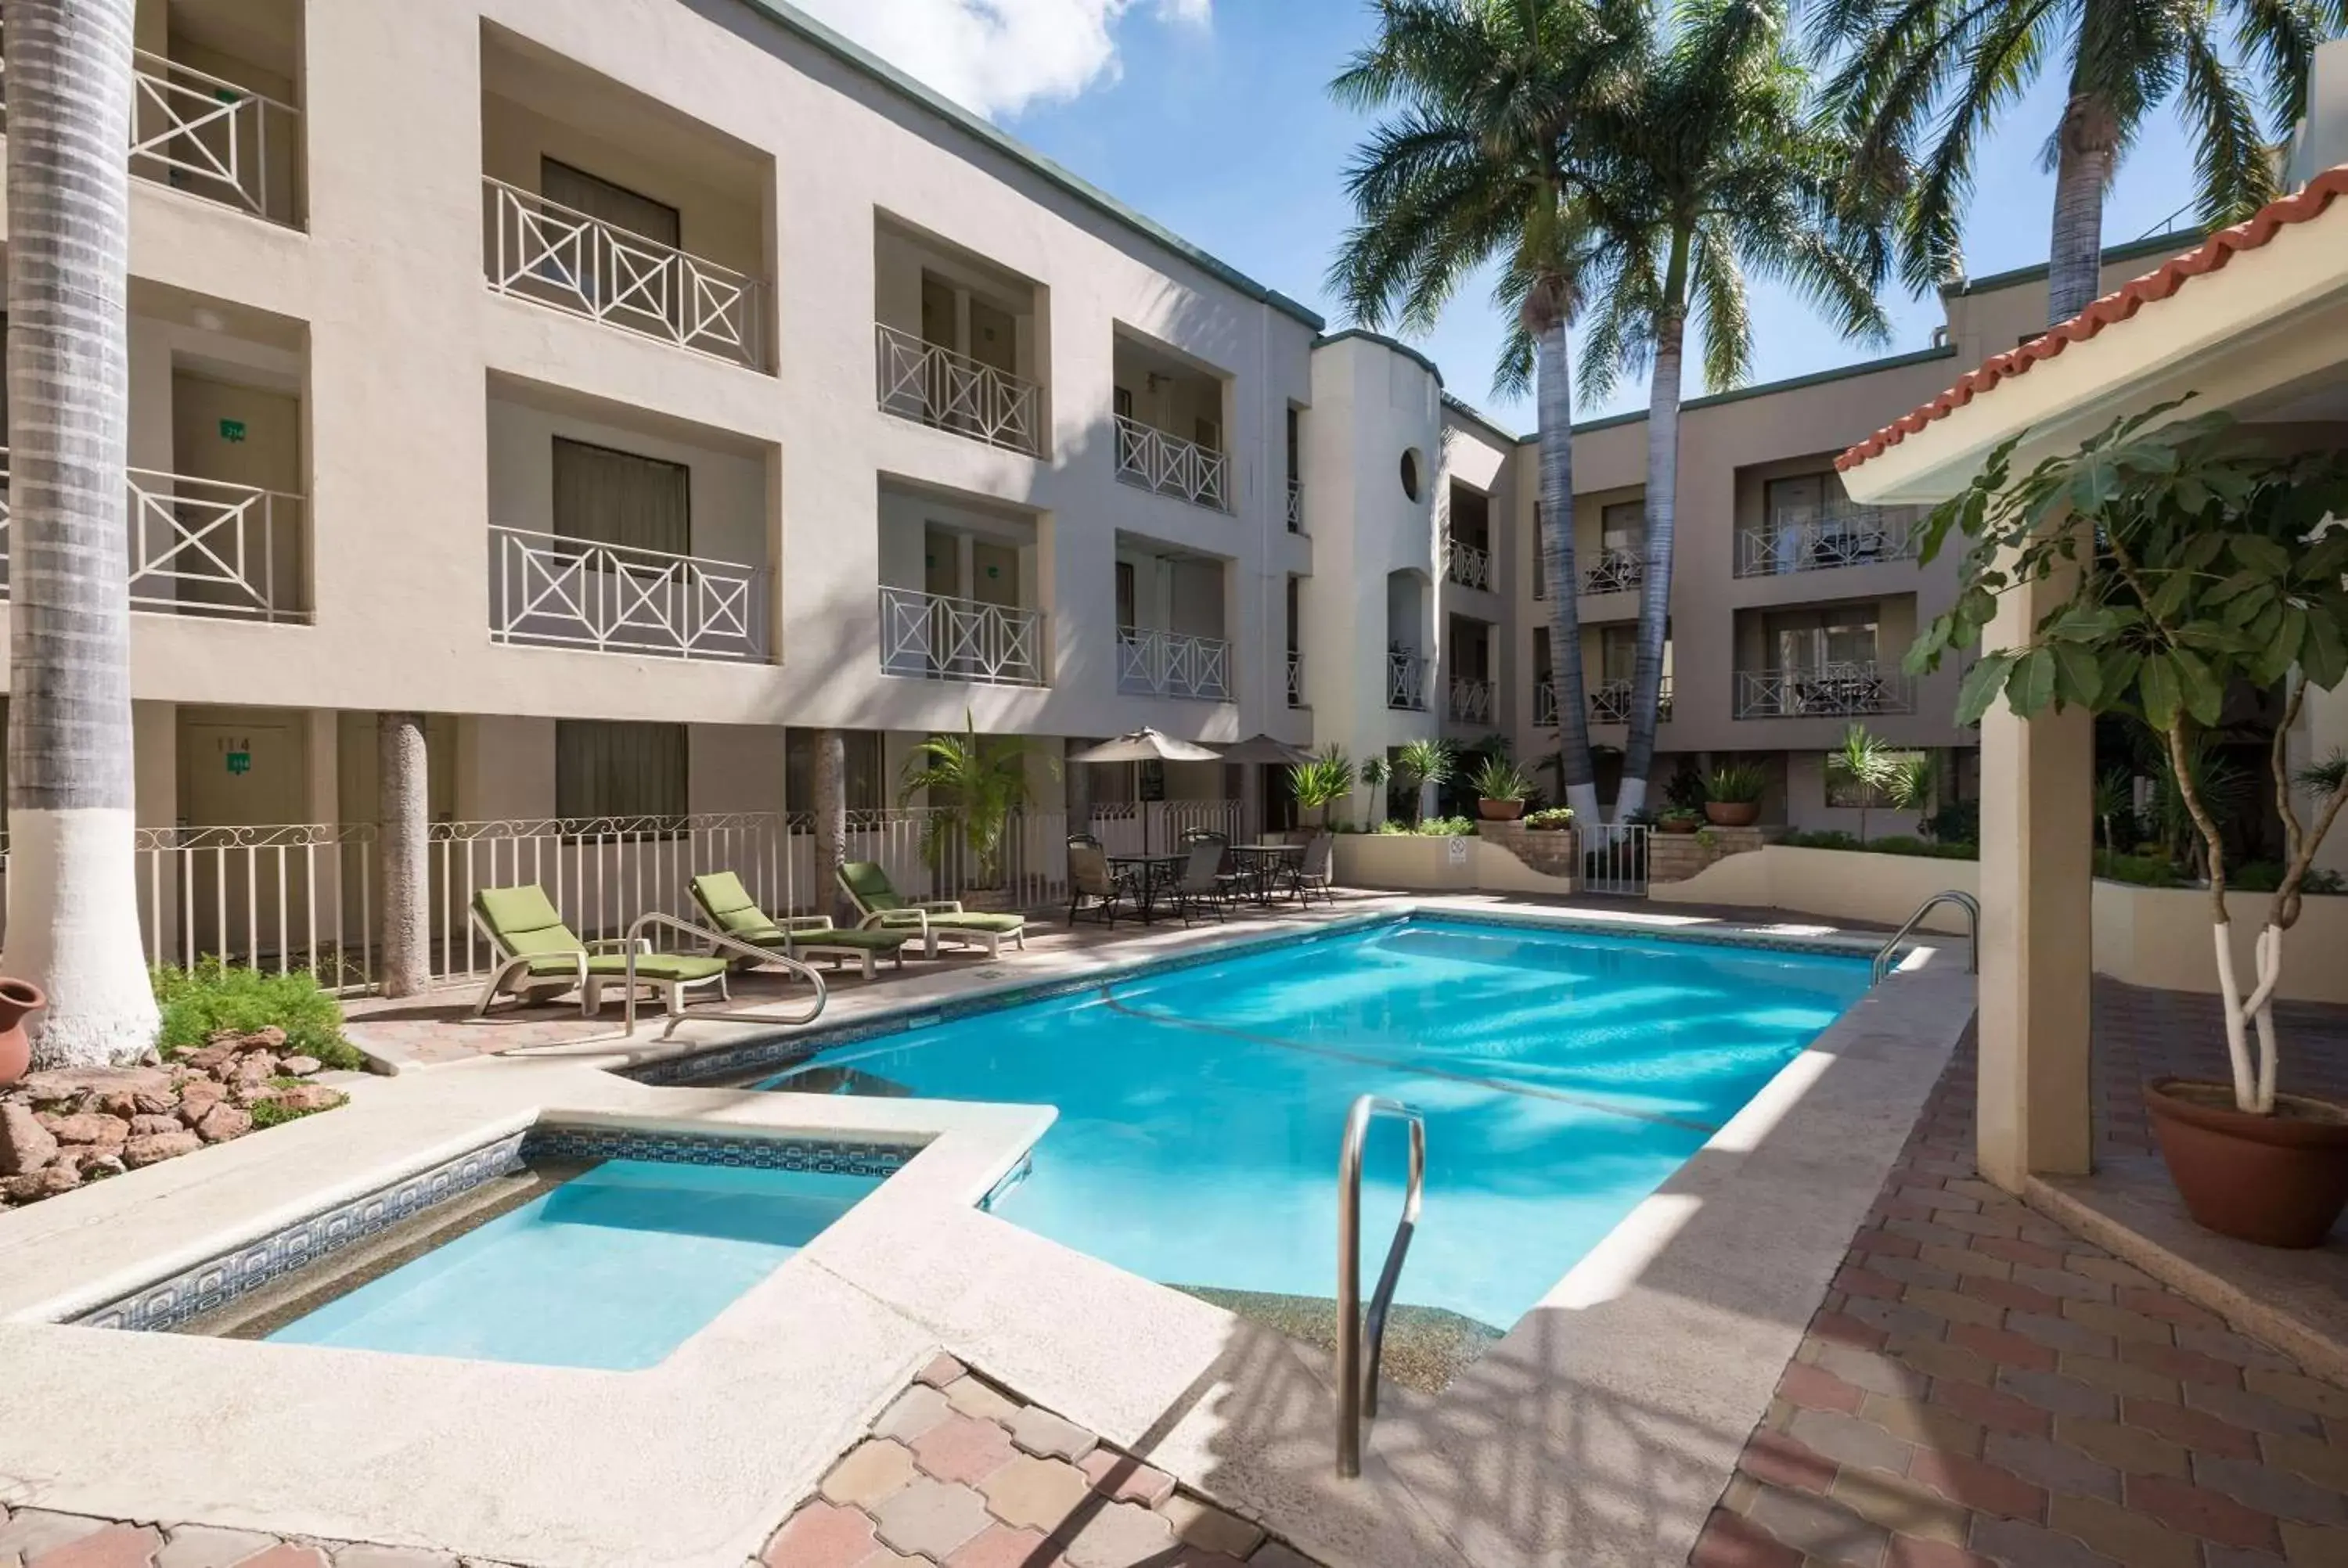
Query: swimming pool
[[1563, 1075]]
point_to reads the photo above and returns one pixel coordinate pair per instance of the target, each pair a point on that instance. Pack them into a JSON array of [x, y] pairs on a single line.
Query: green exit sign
[[231, 430], [240, 762]]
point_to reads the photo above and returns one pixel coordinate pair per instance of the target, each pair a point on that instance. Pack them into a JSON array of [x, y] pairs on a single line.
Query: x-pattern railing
[[1615, 572], [1296, 506], [1829, 691], [1150, 458], [932, 384], [1823, 538], [543, 250], [1153, 662], [1295, 679], [1471, 701], [203, 547], [1610, 702], [551, 590], [1470, 566], [1406, 682], [937, 637]]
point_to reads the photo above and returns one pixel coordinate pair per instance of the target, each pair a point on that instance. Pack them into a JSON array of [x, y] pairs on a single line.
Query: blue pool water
[[1563, 1076], [612, 1268]]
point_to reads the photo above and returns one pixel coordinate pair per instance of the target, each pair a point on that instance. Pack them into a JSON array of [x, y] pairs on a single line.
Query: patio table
[[1150, 872], [1260, 862]]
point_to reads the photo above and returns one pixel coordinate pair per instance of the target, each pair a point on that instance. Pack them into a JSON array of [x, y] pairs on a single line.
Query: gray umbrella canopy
[[1264, 749], [1146, 746]]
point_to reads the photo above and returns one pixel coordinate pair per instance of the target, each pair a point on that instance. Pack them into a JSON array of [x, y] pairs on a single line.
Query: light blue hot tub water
[[612, 1268], [1563, 1075]]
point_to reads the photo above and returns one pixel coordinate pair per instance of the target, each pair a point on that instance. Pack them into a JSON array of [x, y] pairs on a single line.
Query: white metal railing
[[1615, 572], [1150, 458], [1610, 702], [1406, 682], [1296, 506], [1828, 691], [1613, 857], [543, 250], [1821, 538], [1470, 566], [1361, 1344], [294, 896], [939, 638], [1155, 663], [203, 547], [1471, 701], [1295, 679], [932, 384], [1544, 701], [553, 591], [1134, 827]]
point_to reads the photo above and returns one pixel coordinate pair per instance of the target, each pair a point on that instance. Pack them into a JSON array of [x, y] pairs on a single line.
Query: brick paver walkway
[[2142, 1034]]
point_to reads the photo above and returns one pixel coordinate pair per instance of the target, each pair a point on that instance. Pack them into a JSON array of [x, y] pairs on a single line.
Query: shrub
[[1550, 816], [2266, 876], [1958, 821], [1500, 779], [1898, 844], [1738, 783], [1448, 827], [2142, 870], [276, 1112], [200, 1002]]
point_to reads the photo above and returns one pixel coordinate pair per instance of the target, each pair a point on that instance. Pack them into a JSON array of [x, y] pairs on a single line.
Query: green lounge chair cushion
[[525, 921], [685, 967], [887, 942], [723, 898], [870, 886], [975, 921]]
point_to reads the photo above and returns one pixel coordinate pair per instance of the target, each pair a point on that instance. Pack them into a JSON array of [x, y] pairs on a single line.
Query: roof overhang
[[2255, 319]]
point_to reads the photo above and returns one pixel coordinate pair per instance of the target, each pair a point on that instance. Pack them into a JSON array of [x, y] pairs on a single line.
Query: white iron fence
[[1830, 690], [1471, 701], [932, 384], [1610, 703], [1470, 566], [1613, 857], [562, 592], [543, 250], [1545, 702], [1826, 537], [280, 898], [936, 637], [1150, 458], [1406, 682], [1615, 571], [203, 547], [1155, 663], [1296, 506]]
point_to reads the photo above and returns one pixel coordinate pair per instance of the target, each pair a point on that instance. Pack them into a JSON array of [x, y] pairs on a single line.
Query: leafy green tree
[[1868, 763], [1921, 82], [1481, 160], [975, 782], [1417, 765]]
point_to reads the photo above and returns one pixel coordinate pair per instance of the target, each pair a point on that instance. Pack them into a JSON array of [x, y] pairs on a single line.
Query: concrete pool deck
[[1601, 1429]]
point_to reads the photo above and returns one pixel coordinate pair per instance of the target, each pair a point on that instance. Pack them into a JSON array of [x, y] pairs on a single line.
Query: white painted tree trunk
[[403, 787], [73, 890], [2254, 1076], [1553, 400], [1655, 585]]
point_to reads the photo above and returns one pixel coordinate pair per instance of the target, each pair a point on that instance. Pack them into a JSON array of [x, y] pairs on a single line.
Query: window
[[609, 497], [1618, 653], [863, 769], [603, 768], [1791, 503], [1294, 443], [1818, 639], [1121, 399], [1410, 478], [1540, 556], [1208, 433], [1543, 671], [614, 204], [1623, 526], [1127, 597], [1842, 790]]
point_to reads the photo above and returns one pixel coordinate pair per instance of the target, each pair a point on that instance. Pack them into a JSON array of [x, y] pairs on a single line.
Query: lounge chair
[[1090, 876], [879, 907], [1315, 870], [732, 910], [539, 955]]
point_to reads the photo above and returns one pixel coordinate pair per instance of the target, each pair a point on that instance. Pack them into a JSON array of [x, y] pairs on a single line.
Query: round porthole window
[[1410, 467]]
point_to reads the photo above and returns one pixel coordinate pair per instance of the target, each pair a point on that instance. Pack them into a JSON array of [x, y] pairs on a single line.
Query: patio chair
[[732, 910], [1233, 880], [1090, 876], [1202, 886], [879, 907], [539, 955], [1316, 869]]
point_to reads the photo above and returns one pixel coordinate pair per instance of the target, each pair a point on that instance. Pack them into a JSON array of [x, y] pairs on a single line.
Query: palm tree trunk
[[2087, 148], [403, 785], [1553, 404], [831, 820], [73, 886], [1655, 585]]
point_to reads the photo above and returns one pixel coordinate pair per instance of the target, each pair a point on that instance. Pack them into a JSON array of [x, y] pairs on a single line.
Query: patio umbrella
[[1146, 746], [1264, 749]]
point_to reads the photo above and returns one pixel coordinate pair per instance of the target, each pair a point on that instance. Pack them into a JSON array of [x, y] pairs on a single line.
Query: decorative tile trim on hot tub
[[216, 1282]]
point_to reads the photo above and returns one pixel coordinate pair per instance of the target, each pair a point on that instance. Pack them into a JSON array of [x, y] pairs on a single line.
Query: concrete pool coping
[[1603, 1426]]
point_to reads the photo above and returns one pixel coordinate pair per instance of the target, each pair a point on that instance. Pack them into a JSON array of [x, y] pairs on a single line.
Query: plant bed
[[2278, 1180]]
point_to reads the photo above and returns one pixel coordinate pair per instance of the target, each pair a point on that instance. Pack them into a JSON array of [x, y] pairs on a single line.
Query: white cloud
[[998, 56]]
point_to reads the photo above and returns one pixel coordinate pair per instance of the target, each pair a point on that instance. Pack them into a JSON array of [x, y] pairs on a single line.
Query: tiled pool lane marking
[[1405, 1064]]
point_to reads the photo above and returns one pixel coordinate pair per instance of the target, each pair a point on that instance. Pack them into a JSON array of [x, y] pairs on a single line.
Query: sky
[[1213, 117]]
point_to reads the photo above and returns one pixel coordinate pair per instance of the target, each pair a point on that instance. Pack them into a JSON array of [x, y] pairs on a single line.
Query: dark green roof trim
[[1770, 388], [2166, 244], [1404, 349], [815, 33], [1478, 416]]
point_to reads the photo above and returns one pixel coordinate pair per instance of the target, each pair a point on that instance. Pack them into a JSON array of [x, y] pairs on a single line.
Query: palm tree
[[73, 921], [1715, 169], [1480, 162], [1417, 765], [977, 781], [1940, 71], [1868, 763], [830, 812], [404, 792]]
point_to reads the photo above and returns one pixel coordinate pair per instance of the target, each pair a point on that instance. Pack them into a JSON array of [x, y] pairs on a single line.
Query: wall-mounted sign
[[231, 430], [1457, 849], [240, 762]]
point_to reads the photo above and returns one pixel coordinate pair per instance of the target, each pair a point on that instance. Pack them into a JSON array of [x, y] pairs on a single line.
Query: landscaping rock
[[198, 1095], [60, 1085], [310, 1097], [299, 1066], [158, 1146], [88, 1127], [44, 1183], [269, 1037], [25, 1144], [93, 1163], [222, 1050], [255, 1067], [143, 1126], [222, 1122]]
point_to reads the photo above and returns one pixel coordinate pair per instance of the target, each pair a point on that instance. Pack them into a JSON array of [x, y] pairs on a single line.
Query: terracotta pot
[[1679, 825], [2278, 1180], [18, 998], [1500, 810], [1732, 812]]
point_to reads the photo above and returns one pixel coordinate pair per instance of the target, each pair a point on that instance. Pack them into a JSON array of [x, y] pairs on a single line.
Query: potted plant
[[1500, 789], [977, 781], [1318, 784], [1550, 819], [1733, 794], [2213, 564], [1679, 819]]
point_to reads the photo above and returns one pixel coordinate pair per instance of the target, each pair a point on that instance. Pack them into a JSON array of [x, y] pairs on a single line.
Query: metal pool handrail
[[716, 939], [1971, 907], [1357, 1383]]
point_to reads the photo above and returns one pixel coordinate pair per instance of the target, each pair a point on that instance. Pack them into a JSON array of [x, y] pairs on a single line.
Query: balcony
[[1151, 459], [555, 255], [1545, 702], [1841, 534], [1615, 572], [549, 590], [1829, 691], [1296, 506], [1406, 682], [1151, 662], [1470, 566], [936, 637], [1471, 701], [1610, 703], [933, 385], [1295, 679], [204, 548]]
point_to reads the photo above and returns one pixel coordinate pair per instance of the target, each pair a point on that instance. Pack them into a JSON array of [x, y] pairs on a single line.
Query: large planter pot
[[1678, 824], [2278, 1180], [1732, 812], [17, 999], [1499, 810]]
